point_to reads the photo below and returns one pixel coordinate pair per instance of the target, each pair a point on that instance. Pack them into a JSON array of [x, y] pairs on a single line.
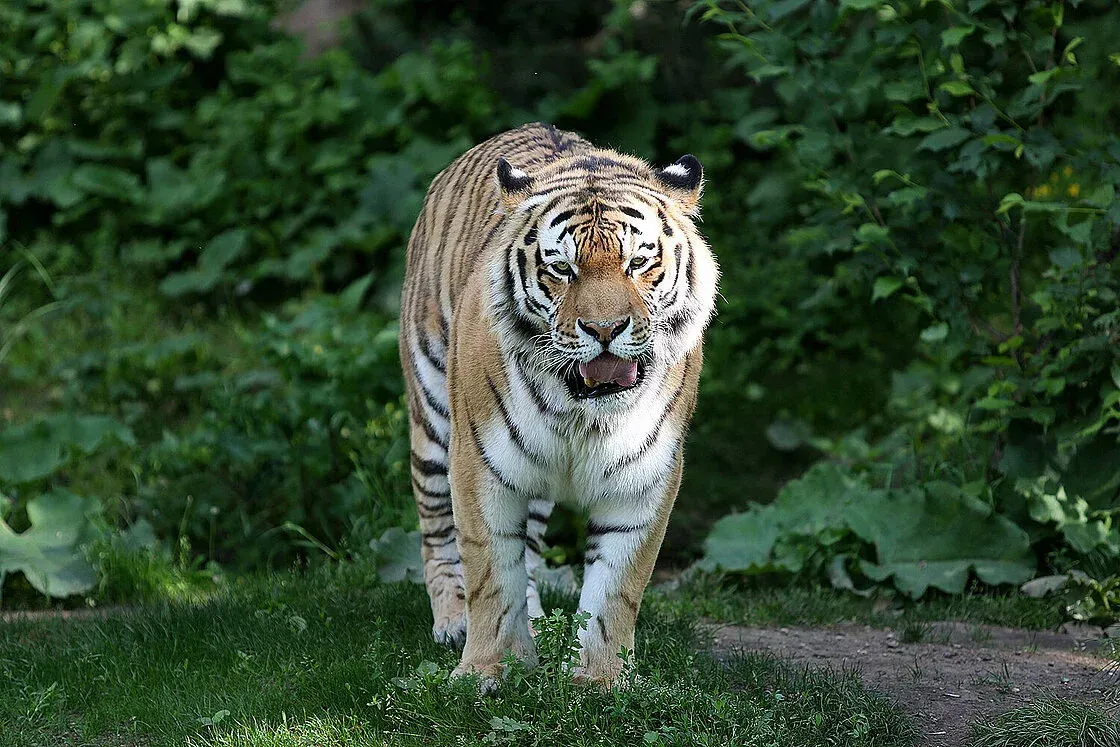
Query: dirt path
[[957, 674]]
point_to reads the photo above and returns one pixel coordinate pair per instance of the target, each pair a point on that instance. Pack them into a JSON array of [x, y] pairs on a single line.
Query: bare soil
[[956, 674]]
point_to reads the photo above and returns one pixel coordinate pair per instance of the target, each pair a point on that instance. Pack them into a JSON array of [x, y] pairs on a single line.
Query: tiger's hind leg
[[539, 511], [443, 568], [429, 436]]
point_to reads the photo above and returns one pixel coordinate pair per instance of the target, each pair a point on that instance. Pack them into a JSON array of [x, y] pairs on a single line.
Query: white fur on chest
[[564, 456]]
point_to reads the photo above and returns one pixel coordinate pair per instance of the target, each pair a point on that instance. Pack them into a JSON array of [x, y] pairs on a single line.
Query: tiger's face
[[598, 275], [609, 266]]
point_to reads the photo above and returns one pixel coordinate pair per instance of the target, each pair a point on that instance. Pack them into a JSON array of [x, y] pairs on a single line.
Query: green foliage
[[918, 537], [288, 442], [50, 553], [945, 175], [198, 147], [38, 449], [913, 204], [1049, 722], [396, 555]]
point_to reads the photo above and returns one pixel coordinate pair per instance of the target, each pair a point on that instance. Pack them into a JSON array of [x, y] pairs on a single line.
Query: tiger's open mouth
[[606, 374]]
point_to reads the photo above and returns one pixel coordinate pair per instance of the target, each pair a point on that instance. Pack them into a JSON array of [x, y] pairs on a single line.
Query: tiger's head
[[606, 275]]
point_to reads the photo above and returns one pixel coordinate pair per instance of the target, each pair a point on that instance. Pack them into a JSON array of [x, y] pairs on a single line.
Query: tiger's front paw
[[604, 679], [489, 675]]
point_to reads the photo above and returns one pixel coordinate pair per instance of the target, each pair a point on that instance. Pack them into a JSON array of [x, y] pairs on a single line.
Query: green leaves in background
[[919, 539], [36, 450], [51, 552], [949, 186], [396, 555]]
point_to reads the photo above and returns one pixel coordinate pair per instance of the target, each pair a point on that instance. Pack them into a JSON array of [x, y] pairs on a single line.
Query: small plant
[[915, 632]]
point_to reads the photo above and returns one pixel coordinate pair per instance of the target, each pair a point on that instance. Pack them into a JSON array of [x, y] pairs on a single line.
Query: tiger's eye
[[561, 268], [638, 263]]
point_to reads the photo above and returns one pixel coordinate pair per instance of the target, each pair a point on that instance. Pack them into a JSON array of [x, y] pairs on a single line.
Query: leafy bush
[[948, 176], [194, 145], [303, 443]]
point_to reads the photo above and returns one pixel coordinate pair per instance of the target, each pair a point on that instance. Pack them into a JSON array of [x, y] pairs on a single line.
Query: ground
[[956, 675], [333, 656]]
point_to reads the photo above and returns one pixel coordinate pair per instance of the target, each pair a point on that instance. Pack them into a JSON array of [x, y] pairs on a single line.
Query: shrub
[[949, 173]]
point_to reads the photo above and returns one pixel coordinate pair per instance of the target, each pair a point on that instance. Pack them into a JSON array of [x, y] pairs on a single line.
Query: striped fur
[[522, 242]]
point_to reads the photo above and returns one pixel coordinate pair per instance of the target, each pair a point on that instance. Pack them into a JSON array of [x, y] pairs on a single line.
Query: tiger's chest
[[563, 454]]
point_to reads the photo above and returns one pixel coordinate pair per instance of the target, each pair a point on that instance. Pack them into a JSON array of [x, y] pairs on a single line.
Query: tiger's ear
[[684, 180], [514, 184]]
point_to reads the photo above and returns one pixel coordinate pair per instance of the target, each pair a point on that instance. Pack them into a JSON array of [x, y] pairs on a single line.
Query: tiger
[[553, 310]]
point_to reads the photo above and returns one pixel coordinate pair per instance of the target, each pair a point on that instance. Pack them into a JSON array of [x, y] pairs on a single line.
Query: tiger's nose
[[604, 332]]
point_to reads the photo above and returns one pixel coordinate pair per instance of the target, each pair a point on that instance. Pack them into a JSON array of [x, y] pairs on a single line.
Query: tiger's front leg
[[622, 547], [491, 518]]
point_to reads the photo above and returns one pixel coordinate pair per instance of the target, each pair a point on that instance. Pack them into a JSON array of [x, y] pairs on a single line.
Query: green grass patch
[[757, 604], [331, 655], [1050, 722]]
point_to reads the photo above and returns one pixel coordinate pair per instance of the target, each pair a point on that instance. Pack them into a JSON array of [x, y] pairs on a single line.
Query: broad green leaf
[[1066, 257], [935, 332], [952, 37], [1101, 196], [872, 233], [35, 450], [935, 538], [787, 435], [50, 554], [907, 125], [396, 554], [223, 249], [885, 287], [957, 88], [107, 181], [781, 535], [943, 139]]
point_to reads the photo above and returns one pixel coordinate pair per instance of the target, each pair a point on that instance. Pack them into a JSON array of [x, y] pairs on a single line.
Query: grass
[[1050, 722], [331, 656], [715, 598]]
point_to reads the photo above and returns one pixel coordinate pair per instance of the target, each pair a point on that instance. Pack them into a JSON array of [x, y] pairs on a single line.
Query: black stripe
[[538, 400], [561, 217], [511, 428], [598, 530], [679, 320], [631, 211], [531, 236], [665, 227], [434, 513], [651, 439], [430, 432], [430, 398], [441, 543], [429, 493], [425, 349], [427, 467], [489, 464], [439, 533]]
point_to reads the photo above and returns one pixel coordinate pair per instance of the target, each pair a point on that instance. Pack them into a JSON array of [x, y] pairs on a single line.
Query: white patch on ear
[[676, 170], [516, 173]]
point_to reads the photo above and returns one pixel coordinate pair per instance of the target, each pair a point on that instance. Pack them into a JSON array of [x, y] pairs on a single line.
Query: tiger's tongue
[[610, 368]]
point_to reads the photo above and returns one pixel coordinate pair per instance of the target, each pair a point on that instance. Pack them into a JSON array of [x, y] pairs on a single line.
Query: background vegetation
[[913, 382]]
